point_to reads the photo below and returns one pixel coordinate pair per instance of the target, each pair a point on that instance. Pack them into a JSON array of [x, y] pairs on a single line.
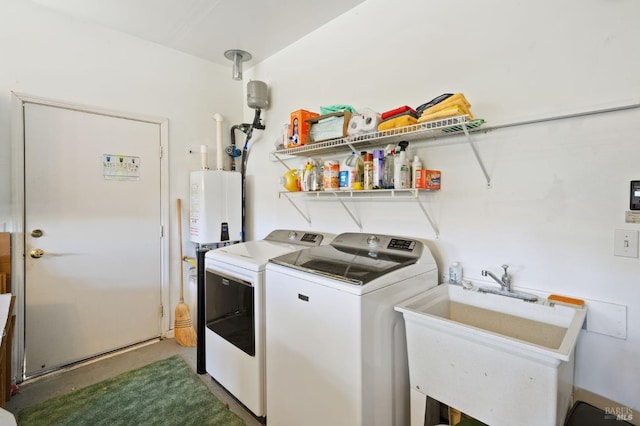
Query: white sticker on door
[[120, 167]]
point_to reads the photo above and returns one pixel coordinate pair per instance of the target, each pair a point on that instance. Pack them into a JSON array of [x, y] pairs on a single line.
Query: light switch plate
[[625, 243]]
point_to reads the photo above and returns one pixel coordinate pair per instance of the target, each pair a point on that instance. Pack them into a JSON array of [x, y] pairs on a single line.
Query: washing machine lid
[[253, 255], [355, 258]]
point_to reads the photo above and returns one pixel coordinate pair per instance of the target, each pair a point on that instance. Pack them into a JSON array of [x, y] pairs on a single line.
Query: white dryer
[[336, 348], [234, 334]]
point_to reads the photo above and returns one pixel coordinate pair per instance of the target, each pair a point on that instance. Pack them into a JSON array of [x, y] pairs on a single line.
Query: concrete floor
[[64, 381]]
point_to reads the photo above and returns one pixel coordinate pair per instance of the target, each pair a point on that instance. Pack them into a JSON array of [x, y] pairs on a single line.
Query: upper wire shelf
[[449, 126]]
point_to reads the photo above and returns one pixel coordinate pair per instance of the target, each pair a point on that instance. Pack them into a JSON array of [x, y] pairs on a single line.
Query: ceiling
[[207, 28]]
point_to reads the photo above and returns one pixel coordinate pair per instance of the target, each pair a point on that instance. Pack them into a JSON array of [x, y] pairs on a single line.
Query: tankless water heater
[[215, 206]]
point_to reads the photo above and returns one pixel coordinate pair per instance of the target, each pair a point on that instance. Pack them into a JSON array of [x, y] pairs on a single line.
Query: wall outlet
[[625, 243]]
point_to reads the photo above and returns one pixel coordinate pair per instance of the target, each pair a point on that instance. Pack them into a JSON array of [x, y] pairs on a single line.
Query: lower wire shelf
[[352, 195]]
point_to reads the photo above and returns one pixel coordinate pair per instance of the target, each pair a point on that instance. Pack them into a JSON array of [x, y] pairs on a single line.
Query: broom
[[183, 330]]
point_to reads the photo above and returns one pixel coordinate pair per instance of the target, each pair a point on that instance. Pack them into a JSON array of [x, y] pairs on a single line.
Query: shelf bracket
[[475, 152], [426, 214], [352, 195], [307, 218], [281, 162], [357, 222]]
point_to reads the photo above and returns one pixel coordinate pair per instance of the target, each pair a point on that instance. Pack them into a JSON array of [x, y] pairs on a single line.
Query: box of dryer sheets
[[428, 179], [329, 126], [299, 127]]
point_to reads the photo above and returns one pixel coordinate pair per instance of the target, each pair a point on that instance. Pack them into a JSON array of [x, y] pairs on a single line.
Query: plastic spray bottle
[[388, 169], [310, 177], [402, 174]]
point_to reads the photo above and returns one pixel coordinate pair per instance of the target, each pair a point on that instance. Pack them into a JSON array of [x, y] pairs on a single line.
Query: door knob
[[36, 253]]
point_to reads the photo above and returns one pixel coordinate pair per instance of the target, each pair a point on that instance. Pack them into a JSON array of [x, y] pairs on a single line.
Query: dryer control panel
[[310, 239]]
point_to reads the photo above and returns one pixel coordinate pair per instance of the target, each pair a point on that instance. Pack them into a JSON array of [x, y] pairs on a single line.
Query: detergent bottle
[[311, 177], [290, 180], [402, 170], [350, 165]]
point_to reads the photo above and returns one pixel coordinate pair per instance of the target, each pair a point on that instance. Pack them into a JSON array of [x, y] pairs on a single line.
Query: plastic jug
[[290, 180], [354, 166]]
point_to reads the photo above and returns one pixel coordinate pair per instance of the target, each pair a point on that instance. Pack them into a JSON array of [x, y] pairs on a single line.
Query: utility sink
[[538, 327], [500, 359]]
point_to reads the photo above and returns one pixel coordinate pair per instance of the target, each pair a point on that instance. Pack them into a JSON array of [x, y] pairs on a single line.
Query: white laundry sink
[[497, 358]]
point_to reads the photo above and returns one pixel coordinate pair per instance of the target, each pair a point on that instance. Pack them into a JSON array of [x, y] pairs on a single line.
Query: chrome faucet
[[505, 281], [505, 286]]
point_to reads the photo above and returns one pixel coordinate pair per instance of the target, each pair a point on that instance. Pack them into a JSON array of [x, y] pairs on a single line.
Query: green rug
[[165, 392]]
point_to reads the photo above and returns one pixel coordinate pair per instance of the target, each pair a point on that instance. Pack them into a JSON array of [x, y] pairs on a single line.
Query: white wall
[[559, 189], [48, 55]]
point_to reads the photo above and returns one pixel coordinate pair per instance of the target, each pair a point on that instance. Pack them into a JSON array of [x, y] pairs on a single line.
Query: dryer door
[[229, 307]]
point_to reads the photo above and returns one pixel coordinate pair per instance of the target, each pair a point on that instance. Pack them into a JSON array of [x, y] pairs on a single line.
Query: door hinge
[[161, 311], [161, 231], [161, 151]]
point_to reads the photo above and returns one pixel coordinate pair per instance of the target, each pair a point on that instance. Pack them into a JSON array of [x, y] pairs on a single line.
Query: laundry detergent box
[[428, 179], [299, 127]]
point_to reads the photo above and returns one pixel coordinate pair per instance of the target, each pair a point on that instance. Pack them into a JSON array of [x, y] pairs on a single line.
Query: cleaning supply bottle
[[388, 170], [402, 168], [415, 166], [310, 177], [359, 183], [368, 170], [455, 273], [349, 165], [378, 168]]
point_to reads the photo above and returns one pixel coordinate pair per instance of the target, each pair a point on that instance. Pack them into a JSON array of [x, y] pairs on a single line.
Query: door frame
[[18, 101]]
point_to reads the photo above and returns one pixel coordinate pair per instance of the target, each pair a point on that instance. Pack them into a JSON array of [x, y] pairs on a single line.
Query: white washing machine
[[234, 312], [336, 348]]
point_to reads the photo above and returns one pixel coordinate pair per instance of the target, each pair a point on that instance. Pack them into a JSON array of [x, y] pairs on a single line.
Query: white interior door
[[92, 234]]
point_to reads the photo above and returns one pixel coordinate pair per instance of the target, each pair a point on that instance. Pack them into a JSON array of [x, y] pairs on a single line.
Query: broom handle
[[180, 245]]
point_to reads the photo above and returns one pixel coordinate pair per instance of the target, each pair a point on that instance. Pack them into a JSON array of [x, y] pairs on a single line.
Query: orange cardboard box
[[428, 179], [299, 127]]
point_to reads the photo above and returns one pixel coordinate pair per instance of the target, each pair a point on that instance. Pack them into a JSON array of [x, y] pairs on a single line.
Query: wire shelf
[[435, 128], [358, 194]]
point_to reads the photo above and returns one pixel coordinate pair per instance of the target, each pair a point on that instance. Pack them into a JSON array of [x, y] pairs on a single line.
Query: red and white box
[[428, 179]]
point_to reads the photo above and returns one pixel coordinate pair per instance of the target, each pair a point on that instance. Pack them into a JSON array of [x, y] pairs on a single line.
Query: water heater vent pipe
[[237, 56]]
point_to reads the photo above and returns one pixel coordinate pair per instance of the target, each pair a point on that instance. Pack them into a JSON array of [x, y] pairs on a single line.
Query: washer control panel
[[379, 243], [398, 244]]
